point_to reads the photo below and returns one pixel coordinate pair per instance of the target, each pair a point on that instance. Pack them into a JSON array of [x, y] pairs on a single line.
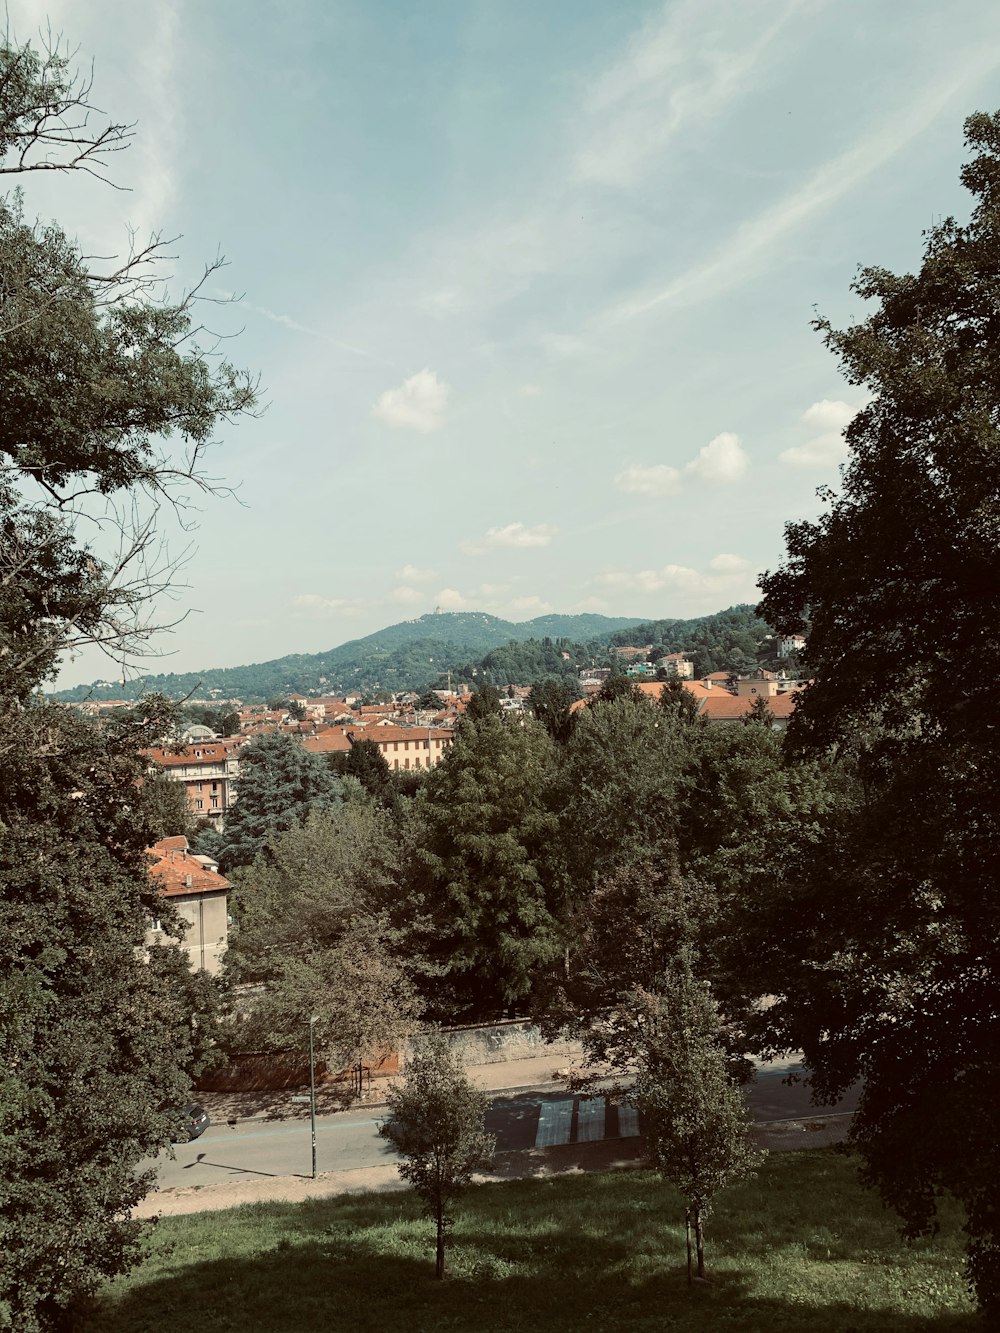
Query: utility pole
[[312, 1092]]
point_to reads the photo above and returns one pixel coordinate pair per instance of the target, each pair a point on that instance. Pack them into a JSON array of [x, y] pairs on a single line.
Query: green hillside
[[403, 656]]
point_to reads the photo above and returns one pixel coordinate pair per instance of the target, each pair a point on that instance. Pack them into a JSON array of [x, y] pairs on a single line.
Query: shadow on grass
[[603, 1250]]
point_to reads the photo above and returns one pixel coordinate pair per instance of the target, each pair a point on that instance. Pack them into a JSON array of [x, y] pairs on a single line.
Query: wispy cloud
[[685, 65], [157, 148], [742, 255], [412, 574]]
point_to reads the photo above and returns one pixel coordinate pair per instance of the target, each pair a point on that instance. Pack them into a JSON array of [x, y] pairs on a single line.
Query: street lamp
[[312, 1090]]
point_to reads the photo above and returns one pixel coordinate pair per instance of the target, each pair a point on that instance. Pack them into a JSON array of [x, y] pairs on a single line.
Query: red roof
[[178, 874], [202, 752], [721, 706]]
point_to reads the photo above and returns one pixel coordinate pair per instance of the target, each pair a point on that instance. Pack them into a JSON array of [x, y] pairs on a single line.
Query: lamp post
[[312, 1091]]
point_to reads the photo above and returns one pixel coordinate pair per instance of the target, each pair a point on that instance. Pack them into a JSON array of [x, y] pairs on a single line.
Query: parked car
[[191, 1122]]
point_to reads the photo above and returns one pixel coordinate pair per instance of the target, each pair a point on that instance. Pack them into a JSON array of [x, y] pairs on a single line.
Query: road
[[349, 1140]]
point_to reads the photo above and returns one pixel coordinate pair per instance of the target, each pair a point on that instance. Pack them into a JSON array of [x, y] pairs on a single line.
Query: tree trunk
[[439, 1266], [699, 1240], [687, 1237]]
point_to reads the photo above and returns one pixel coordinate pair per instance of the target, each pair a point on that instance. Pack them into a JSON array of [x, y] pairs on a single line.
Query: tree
[[484, 703], [366, 762], [551, 703], [484, 830], [678, 702], [312, 931], [436, 1124], [167, 804], [899, 581], [107, 406], [693, 1114], [280, 783], [98, 1046]]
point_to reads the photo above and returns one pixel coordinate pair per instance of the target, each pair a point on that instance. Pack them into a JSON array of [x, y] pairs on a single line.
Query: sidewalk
[[532, 1072]]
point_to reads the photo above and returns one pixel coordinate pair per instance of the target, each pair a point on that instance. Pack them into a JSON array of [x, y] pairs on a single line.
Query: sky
[[529, 286]]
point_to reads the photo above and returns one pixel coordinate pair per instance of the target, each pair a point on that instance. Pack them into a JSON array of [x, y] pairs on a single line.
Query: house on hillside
[[195, 889]]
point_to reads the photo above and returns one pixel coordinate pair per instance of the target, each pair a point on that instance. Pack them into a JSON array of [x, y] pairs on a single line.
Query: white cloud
[[411, 574], [406, 595], [725, 572], [515, 535], [418, 404], [728, 564], [827, 449], [530, 391], [596, 604], [721, 460], [658, 479], [530, 606], [450, 599], [324, 606]]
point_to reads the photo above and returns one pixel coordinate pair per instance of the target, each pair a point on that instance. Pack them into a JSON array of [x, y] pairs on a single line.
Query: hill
[[407, 655]]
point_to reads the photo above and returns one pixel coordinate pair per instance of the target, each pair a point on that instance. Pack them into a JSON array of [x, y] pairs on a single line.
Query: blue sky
[[528, 285]]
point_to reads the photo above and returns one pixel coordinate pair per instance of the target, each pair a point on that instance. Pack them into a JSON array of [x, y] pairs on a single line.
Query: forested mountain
[[471, 645], [408, 655]]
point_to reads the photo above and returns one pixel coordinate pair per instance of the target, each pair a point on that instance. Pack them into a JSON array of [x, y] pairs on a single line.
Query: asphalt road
[[349, 1140]]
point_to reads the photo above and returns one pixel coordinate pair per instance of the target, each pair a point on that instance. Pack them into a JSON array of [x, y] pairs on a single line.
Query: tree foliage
[[693, 1113], [436, 1124], [107, 405], [900, 581], [280, 784], [484, 832]]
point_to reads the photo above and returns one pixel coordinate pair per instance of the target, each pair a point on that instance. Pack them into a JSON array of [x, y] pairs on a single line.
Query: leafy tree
[[484, 830], [621, 788], [484, 703], [617, 686], [693, 1114], [97, 1045], [280, 783], [366, 762], [900, 581], [551, 702], [678, 702], [167, 805], [436, 1124], [759, 713], [311, 929]]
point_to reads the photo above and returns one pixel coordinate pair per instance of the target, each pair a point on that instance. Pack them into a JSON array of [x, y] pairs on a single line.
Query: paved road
[[348, 1141]]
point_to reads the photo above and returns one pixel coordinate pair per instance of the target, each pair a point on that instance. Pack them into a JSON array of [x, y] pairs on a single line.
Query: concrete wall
[[514, 1040]]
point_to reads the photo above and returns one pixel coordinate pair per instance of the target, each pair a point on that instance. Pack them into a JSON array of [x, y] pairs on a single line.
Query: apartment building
[[209, 771]]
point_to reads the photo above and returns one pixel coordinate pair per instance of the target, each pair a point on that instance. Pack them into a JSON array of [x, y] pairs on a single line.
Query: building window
[[215, 802], [406, 763], [426, 745], [201, 786], [395, 746], [215, 786], [395, 763], [199, 805]]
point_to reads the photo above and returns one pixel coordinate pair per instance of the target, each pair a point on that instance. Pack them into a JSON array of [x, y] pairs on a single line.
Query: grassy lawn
[[800, 1248]]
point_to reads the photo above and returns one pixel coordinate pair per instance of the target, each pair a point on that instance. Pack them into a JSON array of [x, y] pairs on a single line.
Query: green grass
[[800, 1248]]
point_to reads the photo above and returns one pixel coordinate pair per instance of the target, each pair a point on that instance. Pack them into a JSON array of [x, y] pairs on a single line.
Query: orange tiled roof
[[204, 752], [721, 706], [177, 874]]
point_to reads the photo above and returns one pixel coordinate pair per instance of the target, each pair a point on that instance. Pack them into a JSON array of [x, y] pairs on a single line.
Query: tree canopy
[[107, 405], [900, 582]]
